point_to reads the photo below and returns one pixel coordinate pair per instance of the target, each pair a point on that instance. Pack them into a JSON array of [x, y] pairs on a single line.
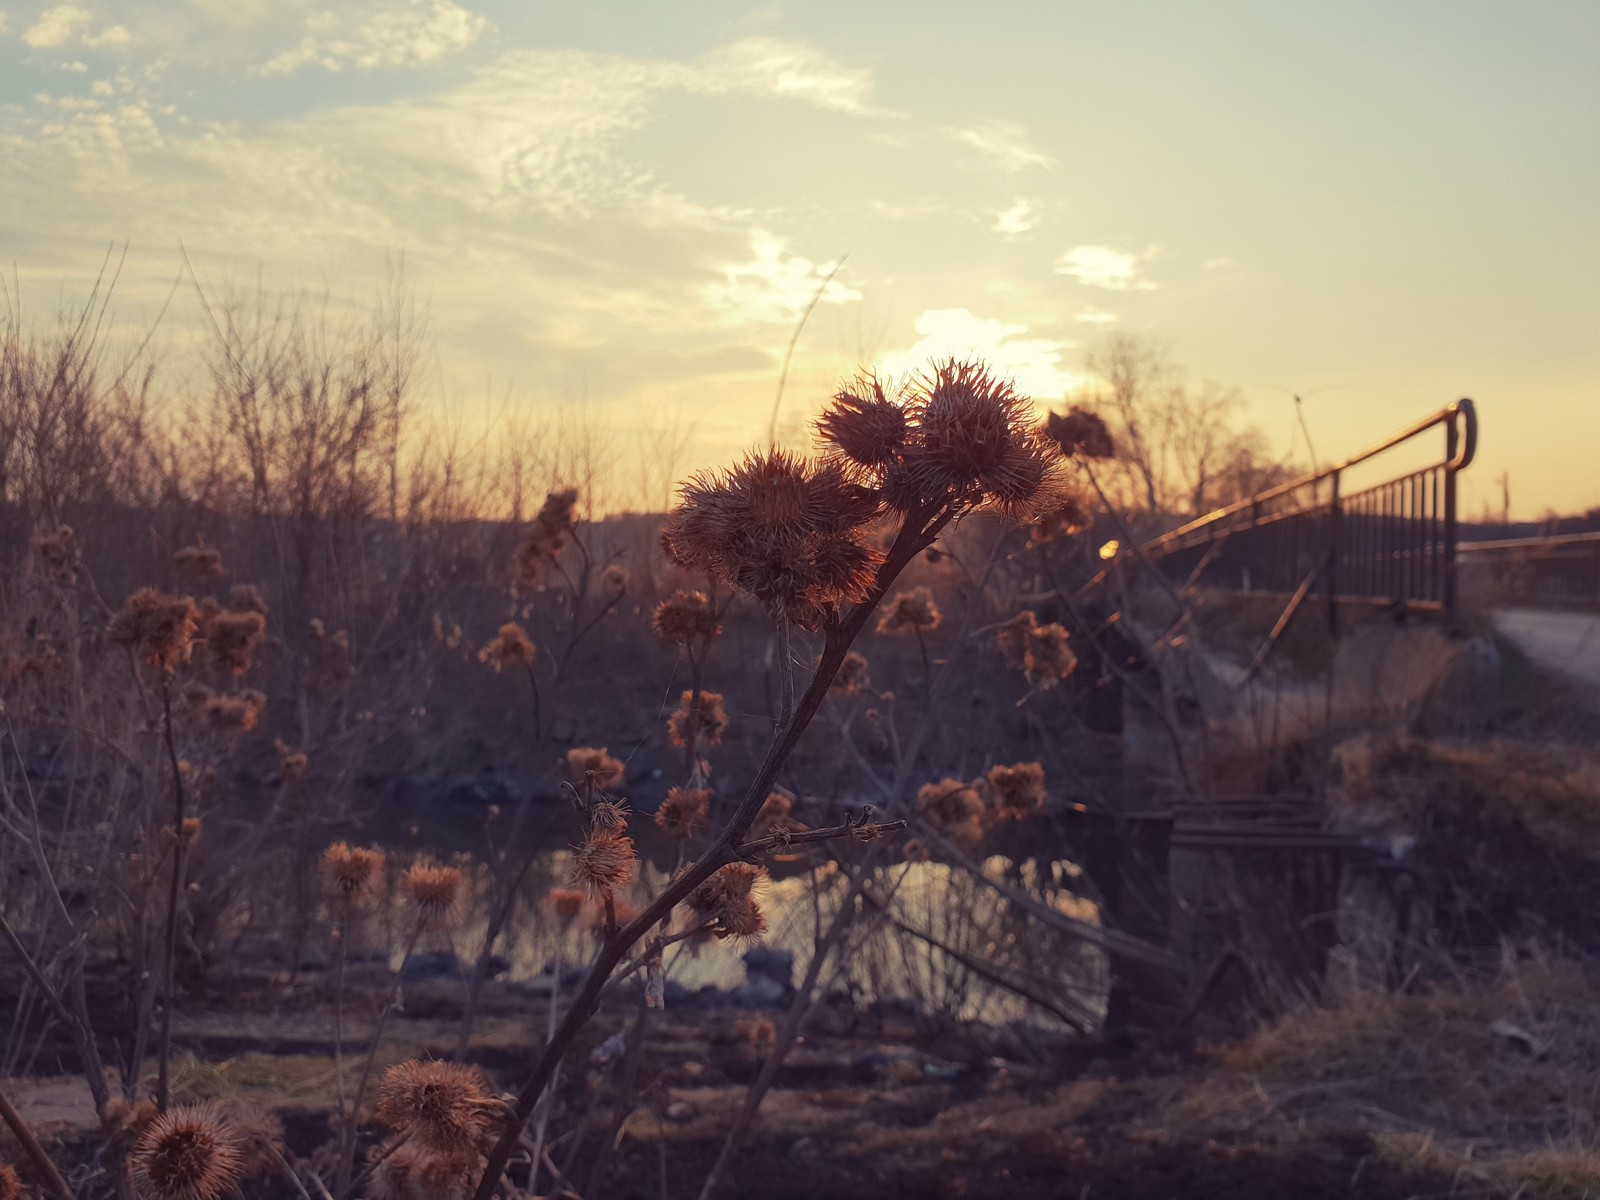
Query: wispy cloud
[[380, 35], [773, 286], [1103, 267], [1016, 220], [1034, 362], [1004, 143], [57, 26], [1090, 315], [789, 69]]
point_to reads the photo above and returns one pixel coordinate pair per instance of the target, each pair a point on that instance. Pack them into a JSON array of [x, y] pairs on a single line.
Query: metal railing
[[1391, 543], [1562, 571]]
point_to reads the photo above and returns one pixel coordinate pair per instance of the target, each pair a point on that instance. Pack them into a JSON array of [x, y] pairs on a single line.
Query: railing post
[[1335, 551], [1452, 441]]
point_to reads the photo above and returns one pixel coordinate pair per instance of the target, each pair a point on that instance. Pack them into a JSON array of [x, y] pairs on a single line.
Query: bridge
[[1266, 876], [1395, 543]]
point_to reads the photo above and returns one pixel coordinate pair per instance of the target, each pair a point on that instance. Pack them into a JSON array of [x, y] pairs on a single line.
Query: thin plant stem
[[348, 1133], [35, 1152], [169, 963]]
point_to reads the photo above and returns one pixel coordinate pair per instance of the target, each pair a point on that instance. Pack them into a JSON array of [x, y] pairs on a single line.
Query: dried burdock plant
[[728, 902], [1016, 792], [159, 629], [441, 1106], [191, 1152], [603, 864], [683, 813], [700, 719], [545, 537], [865, 426], [402, 1171], [854, 677], [351, 873], [231, 639], [199, 563], [292, 763], [433, 892], [246, 597], [955, 809], [608, 817], [614, 580], [775, 817], [686, 619], [235, 712], [53, 554], [1080, 431], [818, 543], [593, 765], [10, 1183], [510, 649], [790, 532], [911, 612], [1041, 652]]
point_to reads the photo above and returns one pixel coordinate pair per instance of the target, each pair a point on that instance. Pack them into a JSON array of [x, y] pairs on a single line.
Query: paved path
[[1565, 641]]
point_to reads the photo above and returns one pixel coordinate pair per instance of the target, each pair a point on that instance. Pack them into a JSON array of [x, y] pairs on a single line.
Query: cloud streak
[[1103, 267]]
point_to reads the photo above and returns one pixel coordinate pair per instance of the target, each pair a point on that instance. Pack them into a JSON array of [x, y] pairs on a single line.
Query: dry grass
[[1433, 1082], [1547, 795]]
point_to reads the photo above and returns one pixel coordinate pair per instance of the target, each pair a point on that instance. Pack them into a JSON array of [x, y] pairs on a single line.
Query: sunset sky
[[626, 206]]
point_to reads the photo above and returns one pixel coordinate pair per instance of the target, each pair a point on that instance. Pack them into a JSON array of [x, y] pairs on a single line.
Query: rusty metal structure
[[1538, 572], [1393, 543]]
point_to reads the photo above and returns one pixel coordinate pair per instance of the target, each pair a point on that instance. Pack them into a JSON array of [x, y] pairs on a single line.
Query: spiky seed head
[[235, 712], [442, 1106], [231, 639], [784, 530], [854, 677], [158, 628], [614, 580], [199, 562], [865, 425], [1017, 790], [775, 816], [603, 864], [913, 611], [351, 872], [683, 813], [403, 1170], [1080, 431], [246, 597], [703, 720], [955, 809], [609, 818], [559, 511], [729, 901], [593, 762], [190, 1152], [10, 1184], [686, 618], [54, 554], [291, 762], [509, 649], [1042, 652], [433, 892]]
